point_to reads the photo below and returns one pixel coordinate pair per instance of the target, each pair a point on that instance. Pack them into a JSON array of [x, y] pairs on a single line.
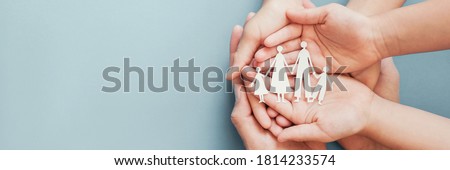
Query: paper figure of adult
[[321, 87], [280, 82], [304, 66], [260, 85]]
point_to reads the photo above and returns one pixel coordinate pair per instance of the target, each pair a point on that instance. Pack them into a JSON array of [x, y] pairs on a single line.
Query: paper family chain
[[280, 82]]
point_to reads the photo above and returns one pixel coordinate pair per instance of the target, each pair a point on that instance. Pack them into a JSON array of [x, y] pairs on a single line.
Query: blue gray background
[[52, 54]]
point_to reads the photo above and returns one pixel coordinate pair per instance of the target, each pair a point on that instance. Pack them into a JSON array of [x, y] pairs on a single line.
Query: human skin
[[270, 18], [401, 31], [358, 110], [369, 76], [252, 134]]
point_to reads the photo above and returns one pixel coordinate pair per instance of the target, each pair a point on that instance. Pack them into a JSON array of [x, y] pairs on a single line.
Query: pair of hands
[[344, 113]]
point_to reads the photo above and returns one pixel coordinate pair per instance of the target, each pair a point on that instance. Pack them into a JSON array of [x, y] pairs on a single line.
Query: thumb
[[308, 16], [304, 132], [241, 107]]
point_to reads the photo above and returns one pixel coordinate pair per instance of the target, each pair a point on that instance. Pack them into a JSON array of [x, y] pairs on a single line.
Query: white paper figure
[[280, 81], [321, 86], [303, 64], [260, 85]]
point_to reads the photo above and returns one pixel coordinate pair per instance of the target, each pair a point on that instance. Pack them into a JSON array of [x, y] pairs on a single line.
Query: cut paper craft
[[321, 87], [280, 82], [304, 66], [260, 86]]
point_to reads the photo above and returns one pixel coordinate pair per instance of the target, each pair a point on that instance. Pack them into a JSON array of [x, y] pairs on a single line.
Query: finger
[[269, 52], [308, 16], [249, 16], [275, 129], [289, 32], [290, 57], [248, 45], [304, 132], [259, 110], [241, 107], [272, 113], [283, 108], [282, 121], [235, 37]]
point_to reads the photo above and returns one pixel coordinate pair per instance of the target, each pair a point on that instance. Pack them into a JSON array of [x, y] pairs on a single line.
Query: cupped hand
[[344, 112], [270, 18], [352, 39], [253, 135]]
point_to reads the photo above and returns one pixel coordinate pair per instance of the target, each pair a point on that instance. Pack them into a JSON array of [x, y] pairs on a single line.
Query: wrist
[[374, 113], [385, 37]]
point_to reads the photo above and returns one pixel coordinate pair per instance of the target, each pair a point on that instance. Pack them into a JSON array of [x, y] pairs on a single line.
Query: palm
[[255, 137], [342, 113], [341, 33]]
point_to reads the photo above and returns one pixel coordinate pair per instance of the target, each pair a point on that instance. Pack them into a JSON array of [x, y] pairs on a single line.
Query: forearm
[[373, 7], [416, 28], [402, 127]]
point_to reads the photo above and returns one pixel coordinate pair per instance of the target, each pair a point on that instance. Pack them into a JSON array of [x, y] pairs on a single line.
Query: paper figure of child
[[280, 81], [260, 85], [302, 79], [321, 86]]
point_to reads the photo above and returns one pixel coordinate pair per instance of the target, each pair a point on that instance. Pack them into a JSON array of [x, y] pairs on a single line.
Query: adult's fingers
[[304, 132], [269, 52], [248, 45], [234, 40], [240, 47], [289, 32], [309, 16]]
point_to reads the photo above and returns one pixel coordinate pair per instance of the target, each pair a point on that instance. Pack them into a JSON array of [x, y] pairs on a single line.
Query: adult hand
[[253, 135], [270, 18], [352, 39]]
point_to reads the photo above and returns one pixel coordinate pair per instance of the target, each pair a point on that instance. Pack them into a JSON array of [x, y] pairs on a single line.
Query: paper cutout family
[[280, 83]]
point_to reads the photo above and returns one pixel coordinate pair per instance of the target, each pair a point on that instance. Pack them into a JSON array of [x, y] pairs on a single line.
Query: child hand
[[343, 113]]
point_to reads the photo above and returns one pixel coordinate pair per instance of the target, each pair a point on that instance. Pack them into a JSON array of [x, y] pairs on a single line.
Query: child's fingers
[[283, 108], [269, 52], [289, 32], [259, 110], [272, 113], [304, 132], [282, 121], [275, 129]]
